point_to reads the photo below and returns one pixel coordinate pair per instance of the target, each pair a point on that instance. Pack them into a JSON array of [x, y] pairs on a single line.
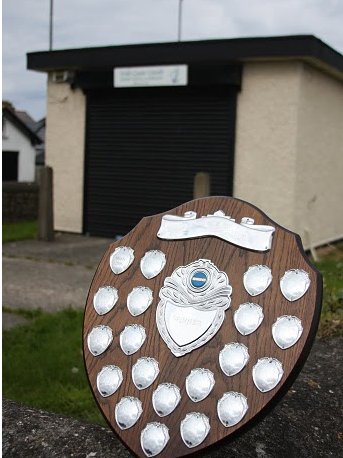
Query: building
[[40, 149], [19, 143], [129, 127]]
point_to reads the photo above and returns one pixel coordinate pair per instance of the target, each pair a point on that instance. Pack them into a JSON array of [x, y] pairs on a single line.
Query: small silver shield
[[294, 284], [192, 306], [152, 263], [127, 412], [121, 259]]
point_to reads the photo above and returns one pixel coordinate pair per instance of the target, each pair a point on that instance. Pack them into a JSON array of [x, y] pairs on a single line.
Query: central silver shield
[[192, 306]]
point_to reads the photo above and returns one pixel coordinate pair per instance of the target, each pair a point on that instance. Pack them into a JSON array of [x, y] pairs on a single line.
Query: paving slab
[[10, 320], [50, 275], [29, 284], [70, 249], [305, 424]]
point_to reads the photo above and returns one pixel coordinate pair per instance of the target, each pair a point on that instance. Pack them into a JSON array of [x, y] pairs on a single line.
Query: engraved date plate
[[196, 322]]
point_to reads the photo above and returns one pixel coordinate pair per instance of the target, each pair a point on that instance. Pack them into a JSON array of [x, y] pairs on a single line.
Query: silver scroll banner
[[245, 234]]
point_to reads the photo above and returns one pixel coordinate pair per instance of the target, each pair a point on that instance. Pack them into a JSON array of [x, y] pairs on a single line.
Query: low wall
[[306, 423], [19, 201]]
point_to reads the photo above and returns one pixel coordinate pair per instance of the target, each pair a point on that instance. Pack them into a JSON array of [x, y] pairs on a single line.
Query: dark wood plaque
[[285, 254]]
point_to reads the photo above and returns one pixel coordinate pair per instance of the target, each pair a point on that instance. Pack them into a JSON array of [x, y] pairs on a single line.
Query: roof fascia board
[[232, 50]]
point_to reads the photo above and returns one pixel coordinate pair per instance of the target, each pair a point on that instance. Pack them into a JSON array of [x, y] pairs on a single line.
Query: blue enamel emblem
[[199, 279]]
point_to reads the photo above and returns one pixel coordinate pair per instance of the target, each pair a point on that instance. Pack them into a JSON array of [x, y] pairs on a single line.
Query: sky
[[85, 23]]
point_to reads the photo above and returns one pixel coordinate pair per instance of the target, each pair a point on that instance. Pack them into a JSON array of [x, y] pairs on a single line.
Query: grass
[[43, 364], [19, 231], [331, 266]]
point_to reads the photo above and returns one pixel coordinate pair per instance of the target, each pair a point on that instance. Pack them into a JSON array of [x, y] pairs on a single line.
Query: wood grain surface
[[286, 253]]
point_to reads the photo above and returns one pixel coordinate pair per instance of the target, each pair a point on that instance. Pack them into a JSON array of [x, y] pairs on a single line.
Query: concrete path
[[49, 275], [10, 320], [69, 249]]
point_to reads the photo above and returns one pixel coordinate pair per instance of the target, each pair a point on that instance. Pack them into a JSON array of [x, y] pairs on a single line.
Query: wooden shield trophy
[[196, 323]]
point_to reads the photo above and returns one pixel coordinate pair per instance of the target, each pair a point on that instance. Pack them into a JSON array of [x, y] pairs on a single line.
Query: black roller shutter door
[[144, 147]]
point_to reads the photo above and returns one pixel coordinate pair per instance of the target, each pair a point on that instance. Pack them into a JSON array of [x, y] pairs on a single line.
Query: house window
[[10, 165]]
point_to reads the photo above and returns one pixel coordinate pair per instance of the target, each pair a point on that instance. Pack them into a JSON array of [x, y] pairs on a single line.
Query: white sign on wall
[[152, 75]]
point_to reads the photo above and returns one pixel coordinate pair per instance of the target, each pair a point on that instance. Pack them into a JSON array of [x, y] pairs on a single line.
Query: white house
[[18, 147]]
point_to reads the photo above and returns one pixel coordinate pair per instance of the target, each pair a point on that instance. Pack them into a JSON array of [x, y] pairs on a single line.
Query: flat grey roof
[[301, 47]]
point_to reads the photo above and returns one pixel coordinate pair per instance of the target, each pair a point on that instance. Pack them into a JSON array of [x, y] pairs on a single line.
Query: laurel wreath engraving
[[216, 296]]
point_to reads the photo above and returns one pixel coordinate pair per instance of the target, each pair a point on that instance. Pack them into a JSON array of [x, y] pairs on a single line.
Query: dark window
[[9, 165]]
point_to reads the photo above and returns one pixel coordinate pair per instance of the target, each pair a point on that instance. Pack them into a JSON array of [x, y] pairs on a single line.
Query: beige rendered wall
[[318, 216], [289, 147], [65, 151], [266, 132]]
